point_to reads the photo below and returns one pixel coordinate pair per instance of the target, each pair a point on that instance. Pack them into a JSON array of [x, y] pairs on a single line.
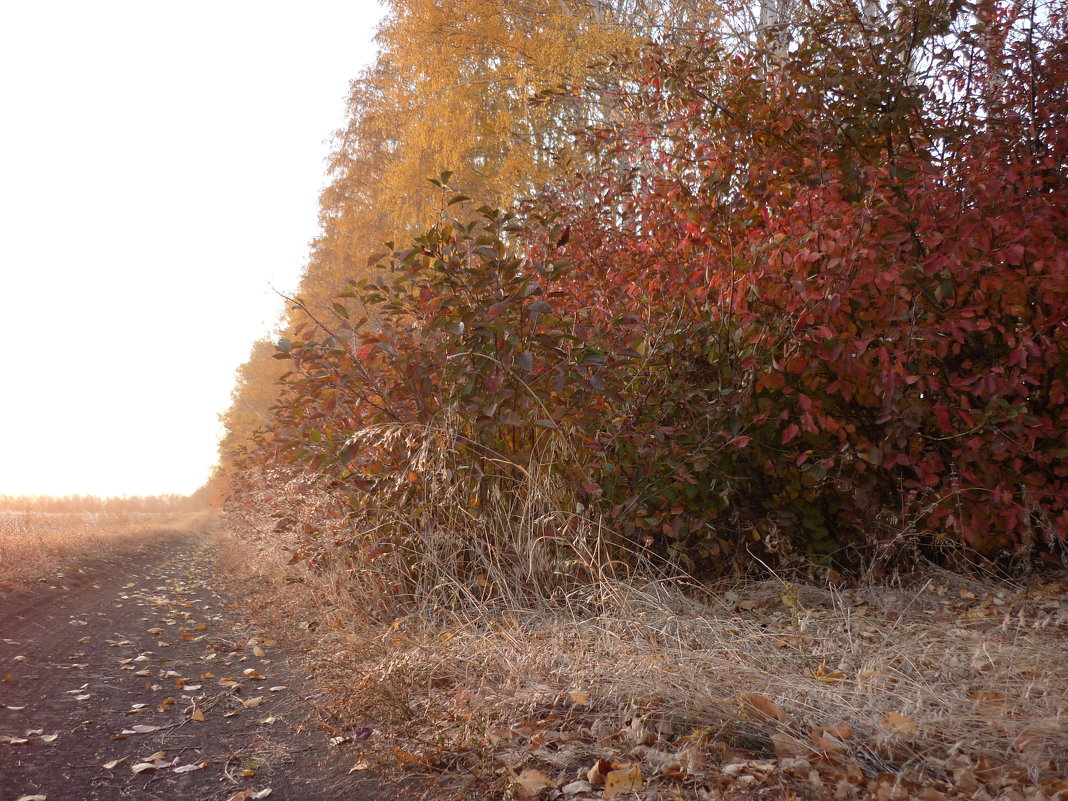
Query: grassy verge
[[35, 544], [937, 686]]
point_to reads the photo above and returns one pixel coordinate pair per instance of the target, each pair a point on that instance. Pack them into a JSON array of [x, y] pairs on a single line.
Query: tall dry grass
[[488, 638]]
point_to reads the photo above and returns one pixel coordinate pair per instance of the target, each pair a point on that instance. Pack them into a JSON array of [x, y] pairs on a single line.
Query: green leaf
[[539, 307]]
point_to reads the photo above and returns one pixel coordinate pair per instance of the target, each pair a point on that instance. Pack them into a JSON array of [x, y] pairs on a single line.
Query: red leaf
[[789, 433]]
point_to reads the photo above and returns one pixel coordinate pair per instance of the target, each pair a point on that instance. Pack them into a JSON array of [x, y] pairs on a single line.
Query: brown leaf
[[596, 775], [534, 780], [627, 779], [899, 724], [828, 676], [831, 738], [763, 708], [787, 746]]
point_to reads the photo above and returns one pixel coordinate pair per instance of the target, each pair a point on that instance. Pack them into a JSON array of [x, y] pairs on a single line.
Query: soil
[[132, 676]]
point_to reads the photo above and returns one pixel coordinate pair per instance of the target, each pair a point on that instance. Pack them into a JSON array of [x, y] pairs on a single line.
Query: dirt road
[[129, 678]]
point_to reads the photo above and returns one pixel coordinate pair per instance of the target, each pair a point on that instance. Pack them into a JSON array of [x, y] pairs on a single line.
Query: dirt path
[[130, 679]]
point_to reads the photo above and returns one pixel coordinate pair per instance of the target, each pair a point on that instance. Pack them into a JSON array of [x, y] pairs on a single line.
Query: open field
[[33, 544]]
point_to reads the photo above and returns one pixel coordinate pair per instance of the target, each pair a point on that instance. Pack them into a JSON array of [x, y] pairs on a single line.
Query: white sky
[[160, 165]]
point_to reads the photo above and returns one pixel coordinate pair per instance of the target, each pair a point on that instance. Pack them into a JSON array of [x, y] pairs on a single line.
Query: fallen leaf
[[191, 767], [269, 720], [601, 768], [262, 793], [360, 765], [627, 779], [252, 702], [405, 756], [580, 697], [48, 738], [534, 780], [113, 763], [828, 676], [141, 729], [764, 708], [141, 767], [899, 724], [787, 746], [31, 798], [257, 651], [198, 715], [841, 730]]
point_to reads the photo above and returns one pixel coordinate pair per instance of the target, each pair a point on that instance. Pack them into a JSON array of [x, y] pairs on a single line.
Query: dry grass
[[973, 668], [950, 685], [34, 544]]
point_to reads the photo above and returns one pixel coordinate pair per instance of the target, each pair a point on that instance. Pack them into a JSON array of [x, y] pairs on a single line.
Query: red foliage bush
[[851, 265], [815, 291]]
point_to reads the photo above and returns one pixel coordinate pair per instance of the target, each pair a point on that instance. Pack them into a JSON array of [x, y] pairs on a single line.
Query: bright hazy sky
[[160, 165]]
